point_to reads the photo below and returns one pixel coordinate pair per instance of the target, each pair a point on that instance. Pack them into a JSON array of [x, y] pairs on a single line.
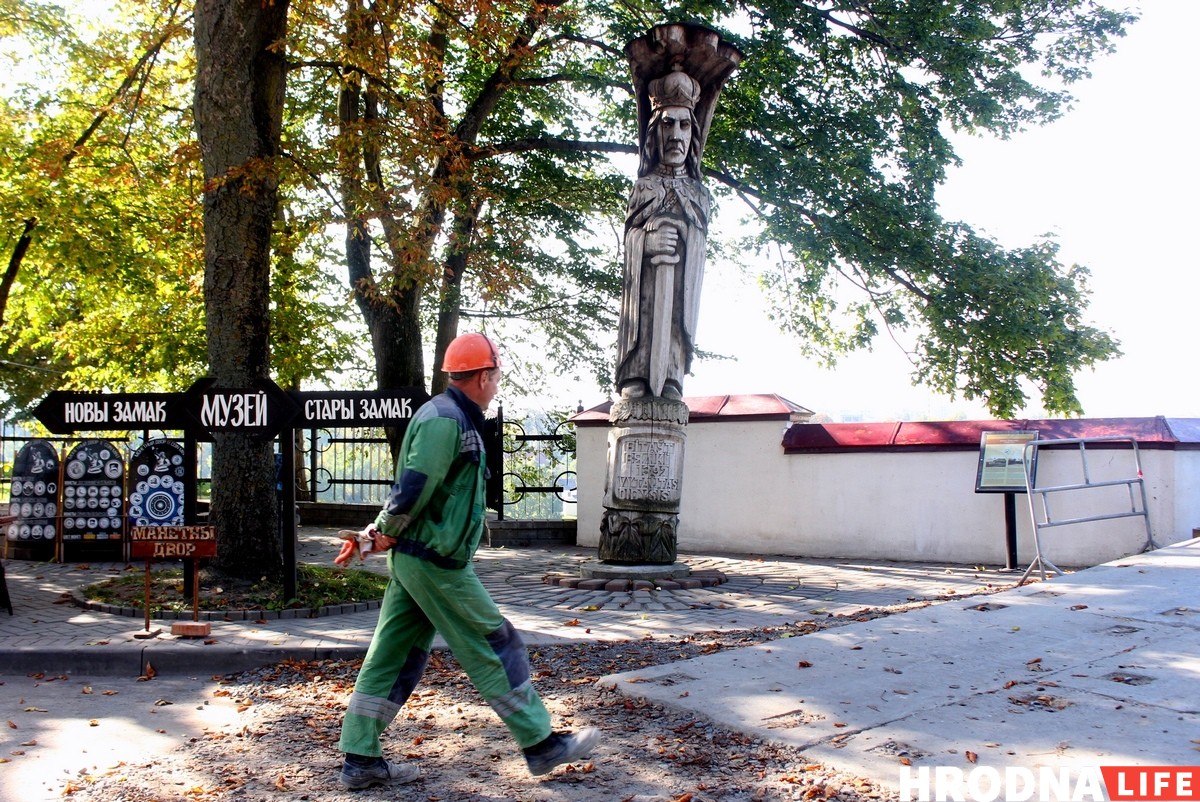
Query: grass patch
[[316, 586]]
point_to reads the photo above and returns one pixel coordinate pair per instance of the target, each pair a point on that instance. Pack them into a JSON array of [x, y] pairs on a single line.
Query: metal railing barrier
[[1042, 515]]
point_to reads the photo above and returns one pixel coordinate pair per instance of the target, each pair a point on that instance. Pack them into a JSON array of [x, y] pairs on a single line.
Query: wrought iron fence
[[532, 474], [537, 476], [531, 461], [344, 466]]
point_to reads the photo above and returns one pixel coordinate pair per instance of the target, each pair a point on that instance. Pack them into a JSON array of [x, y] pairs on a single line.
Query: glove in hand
[[360, 543]]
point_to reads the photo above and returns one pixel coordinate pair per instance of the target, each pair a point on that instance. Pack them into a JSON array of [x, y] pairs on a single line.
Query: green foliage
[[98, 129], [835, 132], [470, 147]]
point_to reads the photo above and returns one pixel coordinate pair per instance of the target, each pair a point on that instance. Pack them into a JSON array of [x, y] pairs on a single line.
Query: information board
[[33, 497], [156, 487], [1002, 462], [93, 492]]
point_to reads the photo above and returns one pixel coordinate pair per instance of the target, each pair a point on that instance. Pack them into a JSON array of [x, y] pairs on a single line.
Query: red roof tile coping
[[1157, 432], [707, 408]]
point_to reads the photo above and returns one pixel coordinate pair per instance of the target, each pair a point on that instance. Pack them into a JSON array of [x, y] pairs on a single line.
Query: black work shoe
[[355, 777], [559, 748]]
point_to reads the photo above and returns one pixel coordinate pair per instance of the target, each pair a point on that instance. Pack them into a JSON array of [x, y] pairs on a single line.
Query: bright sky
[[1116, 179]]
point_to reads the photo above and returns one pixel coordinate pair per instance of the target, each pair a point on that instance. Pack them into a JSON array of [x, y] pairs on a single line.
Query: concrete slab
[[1073, 730], [1095, 667]]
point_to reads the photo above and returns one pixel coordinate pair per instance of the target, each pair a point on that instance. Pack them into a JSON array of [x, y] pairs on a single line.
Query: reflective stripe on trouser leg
[[393, 666], [485, 644]]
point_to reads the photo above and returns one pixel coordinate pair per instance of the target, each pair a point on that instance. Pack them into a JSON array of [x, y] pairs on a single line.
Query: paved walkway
[[1096, 668], [48, 633]]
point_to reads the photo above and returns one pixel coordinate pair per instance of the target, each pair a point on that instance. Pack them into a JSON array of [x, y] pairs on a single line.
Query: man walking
[[431, 526]]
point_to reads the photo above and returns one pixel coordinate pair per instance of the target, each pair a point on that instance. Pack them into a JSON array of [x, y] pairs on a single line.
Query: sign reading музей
[[172, 542]]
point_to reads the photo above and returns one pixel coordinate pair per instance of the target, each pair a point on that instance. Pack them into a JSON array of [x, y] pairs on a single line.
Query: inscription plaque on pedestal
[[647, 469]]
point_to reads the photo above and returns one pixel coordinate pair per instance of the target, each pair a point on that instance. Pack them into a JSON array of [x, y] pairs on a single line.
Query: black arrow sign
[[357, 408], [66, 412], [263, 410]]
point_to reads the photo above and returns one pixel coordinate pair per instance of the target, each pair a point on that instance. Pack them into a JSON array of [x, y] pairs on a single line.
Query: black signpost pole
[[1010, 529], [287, 511], [190, 484]]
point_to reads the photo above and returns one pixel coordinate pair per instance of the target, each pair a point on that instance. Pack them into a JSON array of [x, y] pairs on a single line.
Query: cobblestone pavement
[[47, 632]]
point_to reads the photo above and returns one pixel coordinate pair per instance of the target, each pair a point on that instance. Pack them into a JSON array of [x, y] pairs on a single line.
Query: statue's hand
[[662, 244]]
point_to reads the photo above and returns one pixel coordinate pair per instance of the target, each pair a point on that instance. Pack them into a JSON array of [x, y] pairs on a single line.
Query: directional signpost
[[67, 412], [357, 408], [204, 409], [263, 410]]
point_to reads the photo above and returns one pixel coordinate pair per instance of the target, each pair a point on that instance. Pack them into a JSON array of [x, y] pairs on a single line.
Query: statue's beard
[[675, 154]]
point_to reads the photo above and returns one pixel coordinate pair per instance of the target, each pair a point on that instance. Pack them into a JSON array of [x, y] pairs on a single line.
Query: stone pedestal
[[602, 570], [644, 481]]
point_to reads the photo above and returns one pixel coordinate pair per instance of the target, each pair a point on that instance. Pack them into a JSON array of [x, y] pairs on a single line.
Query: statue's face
[[674, 135]]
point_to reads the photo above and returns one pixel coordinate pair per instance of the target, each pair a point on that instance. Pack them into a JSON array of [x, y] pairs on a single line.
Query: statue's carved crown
[[676, 88]]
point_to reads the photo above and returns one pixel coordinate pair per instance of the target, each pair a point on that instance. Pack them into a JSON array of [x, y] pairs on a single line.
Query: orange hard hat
[[469, 352]]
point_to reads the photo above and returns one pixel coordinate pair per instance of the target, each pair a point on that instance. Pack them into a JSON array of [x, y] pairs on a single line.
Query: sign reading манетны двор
[[172, 542]]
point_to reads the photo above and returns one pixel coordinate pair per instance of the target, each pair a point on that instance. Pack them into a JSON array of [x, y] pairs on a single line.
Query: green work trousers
[[422, 599]]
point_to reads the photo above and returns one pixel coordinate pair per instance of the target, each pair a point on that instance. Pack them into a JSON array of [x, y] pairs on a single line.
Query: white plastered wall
[[743, 494]]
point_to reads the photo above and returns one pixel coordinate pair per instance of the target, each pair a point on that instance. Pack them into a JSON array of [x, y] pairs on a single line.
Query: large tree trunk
[[391, 310], [450, 298], [239, 110]]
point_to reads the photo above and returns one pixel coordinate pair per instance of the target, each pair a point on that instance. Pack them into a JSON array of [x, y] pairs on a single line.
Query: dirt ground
[[282, 743]]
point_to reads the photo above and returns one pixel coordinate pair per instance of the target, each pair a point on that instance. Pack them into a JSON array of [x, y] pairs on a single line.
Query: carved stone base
[[633, 537], [643, 482], [649, 410]]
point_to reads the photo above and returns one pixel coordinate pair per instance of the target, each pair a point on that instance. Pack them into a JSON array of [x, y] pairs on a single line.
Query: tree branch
[[548, 143], [582, 40], [131, 79], [563, 77], [502, 77]]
